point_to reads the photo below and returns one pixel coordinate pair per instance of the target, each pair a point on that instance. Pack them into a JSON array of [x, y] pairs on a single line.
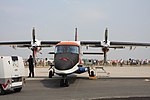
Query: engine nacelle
[[105, 49], [36, 43]]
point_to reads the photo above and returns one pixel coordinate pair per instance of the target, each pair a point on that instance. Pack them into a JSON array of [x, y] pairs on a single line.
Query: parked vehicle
[[12, 73]]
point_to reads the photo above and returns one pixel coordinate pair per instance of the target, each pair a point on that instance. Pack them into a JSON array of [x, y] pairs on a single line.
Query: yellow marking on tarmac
[[93, 78]]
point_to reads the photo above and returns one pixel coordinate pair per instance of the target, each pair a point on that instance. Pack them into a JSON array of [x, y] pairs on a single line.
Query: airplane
[[67, 54]]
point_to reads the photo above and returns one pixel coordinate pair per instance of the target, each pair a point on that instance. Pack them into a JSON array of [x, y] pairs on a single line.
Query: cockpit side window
[[67, 49], [59, 49]]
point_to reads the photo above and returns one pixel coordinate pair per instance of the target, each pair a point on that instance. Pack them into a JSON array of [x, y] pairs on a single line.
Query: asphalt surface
[[116, 86], [82, 89]]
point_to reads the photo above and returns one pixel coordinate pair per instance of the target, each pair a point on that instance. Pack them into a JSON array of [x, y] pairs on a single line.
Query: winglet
[[76, 35]]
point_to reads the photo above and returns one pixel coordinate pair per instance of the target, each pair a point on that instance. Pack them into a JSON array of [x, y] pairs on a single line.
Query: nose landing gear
[[64, 82]]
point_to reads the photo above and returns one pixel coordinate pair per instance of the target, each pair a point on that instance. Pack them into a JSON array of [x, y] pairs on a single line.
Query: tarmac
[[117, 83], [108, 72]]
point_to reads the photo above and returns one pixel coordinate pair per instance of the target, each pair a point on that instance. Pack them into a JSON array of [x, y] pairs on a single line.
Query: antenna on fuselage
[[76, 34]]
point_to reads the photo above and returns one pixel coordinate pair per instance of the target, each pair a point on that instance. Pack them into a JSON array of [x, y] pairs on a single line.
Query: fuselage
[[67, 57]]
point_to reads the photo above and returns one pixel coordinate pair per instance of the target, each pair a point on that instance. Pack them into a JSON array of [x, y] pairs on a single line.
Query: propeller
[[105, 58], [34, 48], [33, 35], [34, 53], [105, 50], [106, 36], [105, 47]]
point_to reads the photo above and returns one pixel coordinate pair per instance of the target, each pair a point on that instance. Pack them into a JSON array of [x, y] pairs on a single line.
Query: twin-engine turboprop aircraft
[[67, 54]]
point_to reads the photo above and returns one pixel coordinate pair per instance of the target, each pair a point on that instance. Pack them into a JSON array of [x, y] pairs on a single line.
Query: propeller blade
[[33, 35], [34, 53], [106, 36], [76, 35], [105, 58]]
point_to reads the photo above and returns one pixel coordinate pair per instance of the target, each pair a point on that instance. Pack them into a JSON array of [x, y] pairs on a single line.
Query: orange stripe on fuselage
[[68, 43]]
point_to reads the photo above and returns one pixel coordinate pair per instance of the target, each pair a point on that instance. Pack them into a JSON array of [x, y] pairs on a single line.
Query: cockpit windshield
[[67, 49]]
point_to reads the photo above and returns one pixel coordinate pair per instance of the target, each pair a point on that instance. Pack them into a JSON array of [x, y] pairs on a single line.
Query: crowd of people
[[120, 62], [47, 62]]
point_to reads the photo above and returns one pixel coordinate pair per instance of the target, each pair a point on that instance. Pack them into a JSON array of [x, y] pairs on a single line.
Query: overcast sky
[[127, 20]]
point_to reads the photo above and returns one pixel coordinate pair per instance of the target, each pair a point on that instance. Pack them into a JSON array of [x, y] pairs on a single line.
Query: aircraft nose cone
[[65, 61]]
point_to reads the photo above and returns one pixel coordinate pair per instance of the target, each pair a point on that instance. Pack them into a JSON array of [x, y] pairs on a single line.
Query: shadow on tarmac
[[55, 82]]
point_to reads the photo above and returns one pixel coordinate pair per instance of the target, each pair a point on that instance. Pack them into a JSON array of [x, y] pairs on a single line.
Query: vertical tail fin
[[76, 35]]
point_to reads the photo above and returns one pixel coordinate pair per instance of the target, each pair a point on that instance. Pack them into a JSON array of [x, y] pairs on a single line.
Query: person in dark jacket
[[31, 66]]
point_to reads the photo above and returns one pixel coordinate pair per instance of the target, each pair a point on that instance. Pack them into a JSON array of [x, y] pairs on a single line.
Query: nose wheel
[[64, 82]]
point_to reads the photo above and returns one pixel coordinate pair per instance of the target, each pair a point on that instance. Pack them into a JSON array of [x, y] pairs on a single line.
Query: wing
[[100, 44], [91, 43], [129, 44], [17, 43], [113, 44], [29, 43], [49, 43]]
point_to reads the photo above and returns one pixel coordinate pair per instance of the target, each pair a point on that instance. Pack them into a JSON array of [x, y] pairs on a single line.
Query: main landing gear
[[92, 72], [51, 71], [64, 82]]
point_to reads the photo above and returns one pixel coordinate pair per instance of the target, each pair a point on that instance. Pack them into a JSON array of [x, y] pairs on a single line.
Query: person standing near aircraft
[[31, 66]]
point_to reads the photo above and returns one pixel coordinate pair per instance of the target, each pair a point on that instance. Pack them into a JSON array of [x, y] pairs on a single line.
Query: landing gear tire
[[64, 83], [92, 74], [2, 91], [50, 74]]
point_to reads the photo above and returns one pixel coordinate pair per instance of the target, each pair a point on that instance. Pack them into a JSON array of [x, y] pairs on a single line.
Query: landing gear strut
[[64, 82], [51, 71]]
